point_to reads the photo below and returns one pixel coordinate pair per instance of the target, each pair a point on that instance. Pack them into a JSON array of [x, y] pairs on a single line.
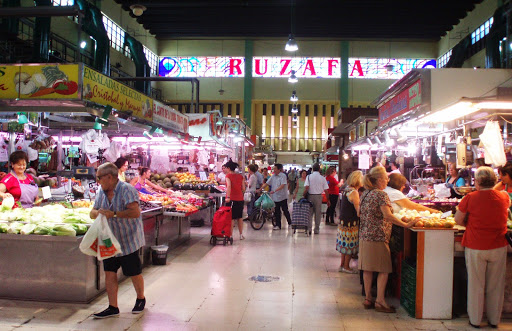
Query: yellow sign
[[104, 90], [8, 88], [39, 81]]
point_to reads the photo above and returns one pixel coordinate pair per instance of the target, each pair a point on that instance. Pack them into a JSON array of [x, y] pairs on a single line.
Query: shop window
[[115, 34]]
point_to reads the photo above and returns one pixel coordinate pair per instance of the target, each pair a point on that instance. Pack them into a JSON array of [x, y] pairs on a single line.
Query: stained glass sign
[[281, 67]]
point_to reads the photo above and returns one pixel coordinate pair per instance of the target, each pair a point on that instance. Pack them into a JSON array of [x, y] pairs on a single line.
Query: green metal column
[[249, 50], [344, 50]]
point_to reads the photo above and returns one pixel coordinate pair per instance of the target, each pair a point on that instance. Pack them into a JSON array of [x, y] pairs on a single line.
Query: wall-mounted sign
[[281, 67], [104, 90], [402, 103], [35, 81], [169, 118]]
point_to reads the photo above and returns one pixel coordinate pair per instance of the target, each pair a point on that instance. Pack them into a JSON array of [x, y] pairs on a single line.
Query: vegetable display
[[54, 220]]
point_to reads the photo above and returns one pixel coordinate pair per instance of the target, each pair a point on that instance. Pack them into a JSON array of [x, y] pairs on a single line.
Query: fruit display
[[54, 220], [425, 219], [182, 181], [177, 201], [509, 225]]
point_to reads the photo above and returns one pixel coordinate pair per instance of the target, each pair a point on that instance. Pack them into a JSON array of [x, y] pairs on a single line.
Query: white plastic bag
[[290, 207], [89, 243], [442, 191], [100, 240], [247, 197]]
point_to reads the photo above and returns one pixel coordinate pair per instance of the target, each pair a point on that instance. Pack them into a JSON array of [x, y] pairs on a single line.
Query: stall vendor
[[144, 185], [454, 180], [221, 177], [17, 183], [394, 189], [505, 183], [122, 164]]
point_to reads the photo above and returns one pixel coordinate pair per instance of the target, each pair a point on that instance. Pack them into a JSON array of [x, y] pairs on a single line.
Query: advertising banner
[[401, 104], [105, 91], [39, 81], [170, 118]]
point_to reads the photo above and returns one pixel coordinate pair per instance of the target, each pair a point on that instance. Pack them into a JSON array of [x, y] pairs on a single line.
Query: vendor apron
[[28, 193]]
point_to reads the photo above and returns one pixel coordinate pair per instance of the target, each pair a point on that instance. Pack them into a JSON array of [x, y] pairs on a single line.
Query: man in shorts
[[119, 202]]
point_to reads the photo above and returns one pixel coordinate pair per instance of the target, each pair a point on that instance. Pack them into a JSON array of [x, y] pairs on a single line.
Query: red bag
[[324, 198], [221, 224]]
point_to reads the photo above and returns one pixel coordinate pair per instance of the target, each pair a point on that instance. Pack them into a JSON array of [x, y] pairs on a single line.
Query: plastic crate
[[409, 306]]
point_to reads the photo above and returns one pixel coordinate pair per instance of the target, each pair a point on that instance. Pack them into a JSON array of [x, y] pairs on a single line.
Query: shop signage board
[[402, 103], [104, 90], [170, 118], [40, 81]]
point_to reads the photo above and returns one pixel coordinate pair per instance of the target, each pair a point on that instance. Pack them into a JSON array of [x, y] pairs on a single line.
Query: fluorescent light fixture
[[104, 117], [450, 113], [295, 110], [362, 147], [158, 130], [369, 142], [293, 79], [294, 97], [494, 105], [149, 135], [22, 118], [83, 44], [291, 44], [377, 140]]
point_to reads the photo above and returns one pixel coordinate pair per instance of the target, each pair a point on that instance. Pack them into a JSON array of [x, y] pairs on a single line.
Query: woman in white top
[[251, 187], [398, 200]]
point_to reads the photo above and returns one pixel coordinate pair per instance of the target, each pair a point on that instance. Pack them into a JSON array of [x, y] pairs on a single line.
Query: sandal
[[382, 309], [368, 304]]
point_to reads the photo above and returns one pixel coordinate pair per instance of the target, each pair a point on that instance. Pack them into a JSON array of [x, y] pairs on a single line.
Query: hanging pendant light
[[293, 79], [104, 117], [291, 44], [22, 118], [149, 135], [295, 110], [295, 118], [294, 97]]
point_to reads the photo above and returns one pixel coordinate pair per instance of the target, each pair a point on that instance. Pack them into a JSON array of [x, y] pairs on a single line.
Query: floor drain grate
[[264, 279]]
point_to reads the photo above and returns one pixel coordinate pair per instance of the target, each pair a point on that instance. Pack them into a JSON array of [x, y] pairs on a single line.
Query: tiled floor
[[208, 288]]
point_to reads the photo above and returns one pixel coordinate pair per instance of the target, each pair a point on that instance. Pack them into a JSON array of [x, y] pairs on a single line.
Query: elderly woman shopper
[[485, 246], [347, 241], [376, 219], [398, 200]]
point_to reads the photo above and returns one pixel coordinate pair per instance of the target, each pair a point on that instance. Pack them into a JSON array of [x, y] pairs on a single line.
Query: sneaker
[[276, 228], [139, 306], [111, 311], [242, 237], [317, 231], [341, 269]]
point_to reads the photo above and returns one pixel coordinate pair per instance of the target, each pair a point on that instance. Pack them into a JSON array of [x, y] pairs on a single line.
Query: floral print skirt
[[347, 241]]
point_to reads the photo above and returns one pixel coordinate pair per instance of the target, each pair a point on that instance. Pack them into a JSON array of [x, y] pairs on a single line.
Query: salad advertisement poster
[[103, 90], [39, 82]]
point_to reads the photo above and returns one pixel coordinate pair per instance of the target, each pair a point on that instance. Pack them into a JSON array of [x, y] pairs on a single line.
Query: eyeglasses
[[98, 178]]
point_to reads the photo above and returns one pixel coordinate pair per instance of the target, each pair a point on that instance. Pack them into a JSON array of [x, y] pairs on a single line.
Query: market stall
[[428, 120], [74, 119]]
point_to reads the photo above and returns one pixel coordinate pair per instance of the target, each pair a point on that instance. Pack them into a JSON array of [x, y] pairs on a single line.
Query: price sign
[[70, 197]]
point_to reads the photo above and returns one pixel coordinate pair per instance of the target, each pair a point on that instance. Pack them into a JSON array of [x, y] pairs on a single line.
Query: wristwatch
[[115, 214]]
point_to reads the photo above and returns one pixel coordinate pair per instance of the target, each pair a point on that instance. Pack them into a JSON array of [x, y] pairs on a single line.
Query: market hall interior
[[206, 287]]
